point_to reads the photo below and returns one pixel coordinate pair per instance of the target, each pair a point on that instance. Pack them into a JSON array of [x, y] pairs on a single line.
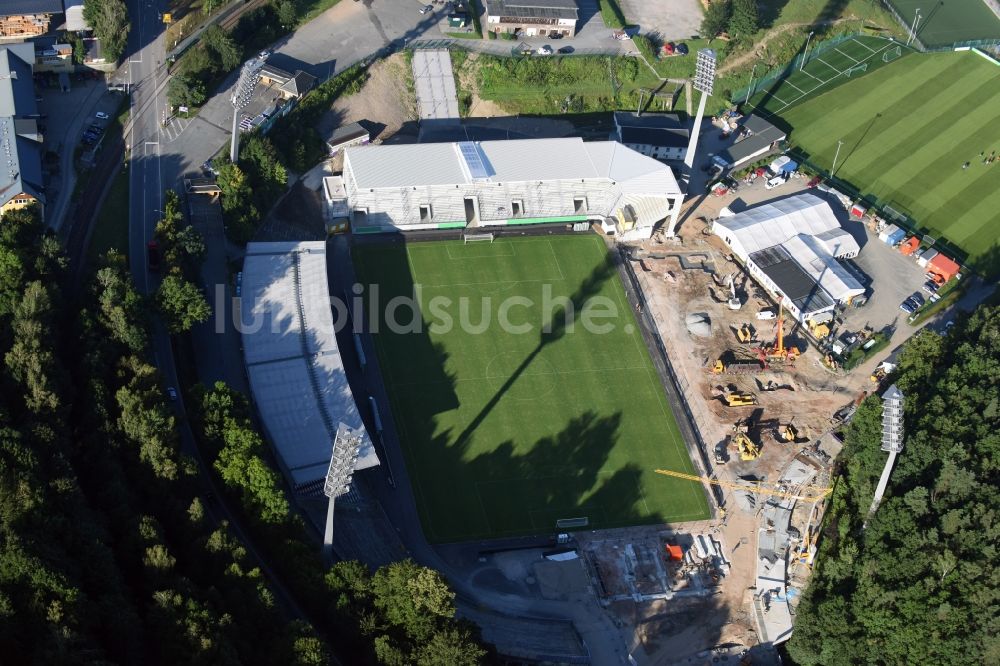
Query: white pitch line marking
[[845, 55]]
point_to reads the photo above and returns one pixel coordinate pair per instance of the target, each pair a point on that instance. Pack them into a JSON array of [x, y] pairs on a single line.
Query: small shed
[[858, 211], [348, 135], [944, 267], [923, 259], [674, 553], [909, 246], [892, 235], [783, 164]]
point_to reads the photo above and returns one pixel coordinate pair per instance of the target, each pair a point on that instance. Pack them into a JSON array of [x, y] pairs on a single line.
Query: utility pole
[[805, 52], [834, 169], [750, 88], [913, 28]]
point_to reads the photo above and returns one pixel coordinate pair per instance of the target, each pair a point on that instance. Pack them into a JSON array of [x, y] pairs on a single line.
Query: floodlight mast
[[240, 99], [343, 458], [892, 440], [704, 82]]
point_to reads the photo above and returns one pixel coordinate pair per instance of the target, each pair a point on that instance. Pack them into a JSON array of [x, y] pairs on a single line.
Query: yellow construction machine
[[819, 329], [777, 353], [739, 398], [749, 449], [787, 432], [745, 333]]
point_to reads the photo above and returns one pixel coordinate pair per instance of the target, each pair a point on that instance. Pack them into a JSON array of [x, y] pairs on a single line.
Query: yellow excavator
[[745, 333], [739, 398]]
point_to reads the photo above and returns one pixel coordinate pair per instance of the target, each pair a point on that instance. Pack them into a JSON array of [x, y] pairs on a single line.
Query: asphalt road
[[144, 71]]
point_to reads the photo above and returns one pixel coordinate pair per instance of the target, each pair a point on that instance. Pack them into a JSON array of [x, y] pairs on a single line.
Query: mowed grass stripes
[[507, 429], [907, 130]]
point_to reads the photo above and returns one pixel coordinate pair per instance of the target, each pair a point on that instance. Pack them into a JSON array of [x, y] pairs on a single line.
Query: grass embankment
[[111, 226]]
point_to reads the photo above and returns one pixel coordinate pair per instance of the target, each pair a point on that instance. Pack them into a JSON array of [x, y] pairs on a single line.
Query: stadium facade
[[490, 184]]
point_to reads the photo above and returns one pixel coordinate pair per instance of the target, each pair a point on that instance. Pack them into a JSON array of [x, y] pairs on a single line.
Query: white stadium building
[[494, 183], [793, 247]]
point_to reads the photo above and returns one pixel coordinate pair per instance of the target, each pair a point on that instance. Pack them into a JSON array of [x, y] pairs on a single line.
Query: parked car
[[172, 393], [566, 50], [907, 306], [102, 116], [556, 35], [264, 55], [427, 8], [681, 49], [917, 298], [96, 129], [545, 50], [931, 287], [153, 255]]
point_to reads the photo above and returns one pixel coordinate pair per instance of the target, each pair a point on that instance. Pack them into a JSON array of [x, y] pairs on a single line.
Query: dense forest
[[920, 584], [110, 551]]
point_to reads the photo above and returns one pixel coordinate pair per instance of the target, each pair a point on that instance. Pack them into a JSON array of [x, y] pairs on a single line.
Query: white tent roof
[[821, 266], [774, 223], [509, 161], [295, 368]]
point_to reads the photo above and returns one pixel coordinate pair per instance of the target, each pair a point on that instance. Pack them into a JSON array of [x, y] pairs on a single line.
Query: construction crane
[[778, 353], [808, 494]]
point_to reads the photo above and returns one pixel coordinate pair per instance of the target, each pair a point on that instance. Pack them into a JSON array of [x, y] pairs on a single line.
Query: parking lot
[[891, 278], [677, 19]]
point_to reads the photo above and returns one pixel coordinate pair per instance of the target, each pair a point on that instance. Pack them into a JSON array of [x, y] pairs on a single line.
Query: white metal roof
[[774, 223], [522, 160], [293, 362], [434, 84], [823, 267]]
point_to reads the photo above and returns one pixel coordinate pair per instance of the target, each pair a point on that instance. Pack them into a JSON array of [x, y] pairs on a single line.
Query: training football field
[[906, 130], [512, 415]]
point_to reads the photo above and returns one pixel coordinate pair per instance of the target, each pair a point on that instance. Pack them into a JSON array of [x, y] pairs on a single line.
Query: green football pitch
[[523, 393], [945, 24], [906, 130]]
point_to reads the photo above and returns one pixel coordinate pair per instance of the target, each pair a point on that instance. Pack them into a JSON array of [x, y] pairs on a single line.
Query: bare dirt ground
[[387, 100]]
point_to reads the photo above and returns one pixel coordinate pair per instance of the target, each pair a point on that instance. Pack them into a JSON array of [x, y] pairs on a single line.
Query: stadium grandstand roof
[[292, 359], [522, 160]]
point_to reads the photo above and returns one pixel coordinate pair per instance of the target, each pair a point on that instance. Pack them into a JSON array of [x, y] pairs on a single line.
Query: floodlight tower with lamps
[[704, 82], [343, 458], [240, 99], [892, 440]]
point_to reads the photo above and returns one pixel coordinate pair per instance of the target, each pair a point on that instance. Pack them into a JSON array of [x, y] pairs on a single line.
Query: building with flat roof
[[659, 135], [293, 362], [21, 180], [755, 137], [494, 183], [792, 248], [541, 18]]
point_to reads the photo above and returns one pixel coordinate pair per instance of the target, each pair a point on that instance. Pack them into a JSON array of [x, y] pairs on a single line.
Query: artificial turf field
[[504, 433], [907, 129], [946, 24]]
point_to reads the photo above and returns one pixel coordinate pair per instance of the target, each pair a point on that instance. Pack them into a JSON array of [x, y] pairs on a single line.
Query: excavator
[[747, 448], [745, 333], [739, 398]]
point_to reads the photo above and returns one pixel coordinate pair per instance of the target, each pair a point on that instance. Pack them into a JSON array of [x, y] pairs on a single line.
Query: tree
[[745, 21], [288, 14], [218, 41], [181, 304], [30, 359], [716, 18], [122, 309], [209, 6], [185, 90], [109, 19]]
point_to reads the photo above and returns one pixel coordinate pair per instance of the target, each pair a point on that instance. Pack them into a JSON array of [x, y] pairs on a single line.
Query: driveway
[[670, 19]]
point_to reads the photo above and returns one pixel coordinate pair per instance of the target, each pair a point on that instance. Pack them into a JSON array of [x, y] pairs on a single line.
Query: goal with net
[[891, 54], [472, 238]]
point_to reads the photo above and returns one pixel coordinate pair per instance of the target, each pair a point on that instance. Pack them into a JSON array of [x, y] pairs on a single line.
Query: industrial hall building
[[514, 182], [793, 247]]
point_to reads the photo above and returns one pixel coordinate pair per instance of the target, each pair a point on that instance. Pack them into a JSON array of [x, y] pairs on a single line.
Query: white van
[[772, 183], [766, 314]]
